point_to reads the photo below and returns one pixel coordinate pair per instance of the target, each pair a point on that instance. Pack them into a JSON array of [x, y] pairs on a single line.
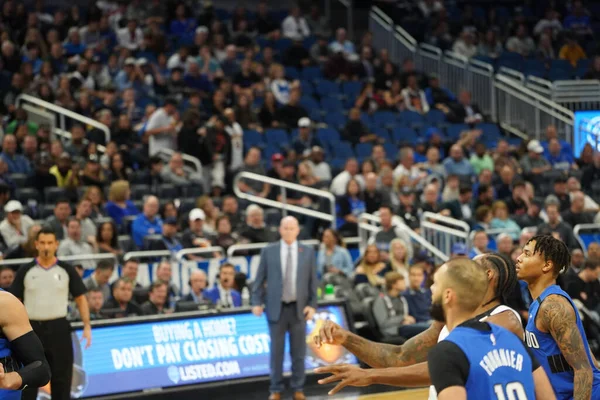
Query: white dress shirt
[[131, 42], [293, 268], [295, 28], [225, 297]]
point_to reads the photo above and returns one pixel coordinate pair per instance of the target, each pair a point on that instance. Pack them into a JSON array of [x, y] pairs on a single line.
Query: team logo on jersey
[[493, 339]]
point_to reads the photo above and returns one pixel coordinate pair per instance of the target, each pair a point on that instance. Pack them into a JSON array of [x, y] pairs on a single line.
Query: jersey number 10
[[513, 390]]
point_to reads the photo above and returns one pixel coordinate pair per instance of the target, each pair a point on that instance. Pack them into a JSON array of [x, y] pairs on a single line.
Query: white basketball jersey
[[444, 334]]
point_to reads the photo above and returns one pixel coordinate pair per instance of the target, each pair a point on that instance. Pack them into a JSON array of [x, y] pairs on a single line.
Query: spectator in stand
[[591, 174], [268, 111], [26, 249], [224, 236], [164, 273], [594, 71], [15, 226], [586, 158], [465, 112], [557, 228], [148, 222], [291, 113], [550, 22], [333, 256], [576, 214], [120, 305], [521, 42], [230, 208], [369, 100], [578, 21], [130, 272], [355, 130], [58, 221], [585, 286], [168, 240], [206, 204], [66, 172], [95, 300], [545, 49], [245, 115], [571, 51], [160, 130], [198, 283], [371, 269], [534, 163], [195, 236], [174, 172], [519, 201], [481, 159], [391, 310], [399, 257], [461, 208], [92, 174], [465, 44], [76, 245], [17, 164], [294, 26], [7, 277], [414, 97], [318, 23], [252, 164], [480, 244], [107, 239], [318, 165], [502, 221], [417, 296], [157, 299], [457, 164], [131, 37], [255, 230], [574, 186], [561, 194], [224, 295], [297, 55], [372, 195], [216, 153], [350, 206], [437, 96], [319, 51], [557, 158], [343, 45], [429, 8], [82, 213], [306, 139], [119, 205], [490, 45], [407, 173], [100, 277]]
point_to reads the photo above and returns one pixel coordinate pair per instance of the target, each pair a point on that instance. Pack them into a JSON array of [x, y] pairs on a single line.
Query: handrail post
[[284, 201]]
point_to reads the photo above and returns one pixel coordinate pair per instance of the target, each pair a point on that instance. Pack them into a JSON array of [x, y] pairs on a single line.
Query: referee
[[44, 286]]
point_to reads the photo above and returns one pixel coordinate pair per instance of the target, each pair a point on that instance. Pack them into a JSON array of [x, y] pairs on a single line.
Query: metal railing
[[258, 246], [577, 95], [527, 113], [349, 15], [180, 255], [282, 205], [62, 114], [368, 227], [140, 255], [166, 154], [577, 231], [443, 232], [85, 257]]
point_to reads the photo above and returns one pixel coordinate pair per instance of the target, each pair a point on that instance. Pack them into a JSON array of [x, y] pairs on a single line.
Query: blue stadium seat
[[253, 138], [391, 150], [328, 135], [561, 64], [383, 133], [454, 130], [366, 119], [583, 67], [316, 115], [309, 103], [343, 150], [384, 119], [490, 131], [277, 138], [404, 135], [309, 41], [511, 60], [351, 89], [331, 104], [28, 193], [222, 14], [282, 45], [588, 238], [311, 73], [559, 74], [292, 73], [327, 88], [363, 150], [167, 191], [335, 120], [410, 118], [139, 191], [307, 88], [337, 164], [435, 117]]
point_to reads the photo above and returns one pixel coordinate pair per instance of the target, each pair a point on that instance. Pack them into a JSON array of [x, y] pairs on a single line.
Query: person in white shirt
[[339, 183], [465, 45], [342, 44], [319, 167], [235, 131], [295, 26], [131, 37], [280, 87], [407, 171], [180, 59], [160, 128], [75, 245], [16, 225], [521, 43], [551, 20], [414, 97], [573, 186]]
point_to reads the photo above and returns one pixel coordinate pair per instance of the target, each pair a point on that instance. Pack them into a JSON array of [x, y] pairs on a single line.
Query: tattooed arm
[[379, 355], [557, 317]]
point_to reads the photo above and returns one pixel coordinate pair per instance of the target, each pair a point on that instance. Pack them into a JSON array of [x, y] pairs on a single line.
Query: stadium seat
[[126, 243], [277, 138], [253, 138], [352, 89], [316, 115], [26, 193], [331, 104], [292, 73], [363, 150], [45, 211], [343, 150], [365, 290], [167, 191], [410, 118], [490, 131], [20, 180], [307, 88], [559, 74], [309, 103], [404, 135], [383, 133], [582, 68], [139, 191], [511, 60], [327, 88], [454, 130], [435, 117], [51, 194], [272, 217], [336, 120], [384, 119], [282, 45], [391, 150], [311, 73]]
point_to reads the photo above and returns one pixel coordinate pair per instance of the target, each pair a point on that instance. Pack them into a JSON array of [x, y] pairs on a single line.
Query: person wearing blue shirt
[[332, 257], [417, 297], [148, 222], [194, 79], [578, 21], [559, 159], [17, 164], [119, 205], [224, 295], [457, 164], [181, 25]]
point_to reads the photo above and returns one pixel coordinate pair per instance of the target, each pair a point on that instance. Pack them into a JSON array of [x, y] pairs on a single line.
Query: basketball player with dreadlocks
[[406, 365], [554, 331]]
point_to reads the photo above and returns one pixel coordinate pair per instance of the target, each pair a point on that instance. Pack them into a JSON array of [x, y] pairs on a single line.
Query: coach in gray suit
[[286, 285]]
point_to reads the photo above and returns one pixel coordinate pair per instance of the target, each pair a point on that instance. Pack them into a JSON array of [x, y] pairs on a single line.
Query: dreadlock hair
[[552, 249], [506, 272]]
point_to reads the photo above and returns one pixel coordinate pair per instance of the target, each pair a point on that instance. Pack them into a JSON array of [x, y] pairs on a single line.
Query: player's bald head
[[466, 279]]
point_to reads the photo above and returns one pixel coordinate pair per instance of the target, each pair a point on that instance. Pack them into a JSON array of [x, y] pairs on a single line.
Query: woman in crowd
[[398, 261], [96, 197], [119, 204], [266, 115], [224, 238], [206, 204], [371, 269], [117, 169], [306, 175], [107, 239], [333, 256], [502, 221], [349, 207]]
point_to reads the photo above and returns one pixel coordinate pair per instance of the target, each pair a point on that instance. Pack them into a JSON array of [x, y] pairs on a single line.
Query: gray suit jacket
[[267, 287]]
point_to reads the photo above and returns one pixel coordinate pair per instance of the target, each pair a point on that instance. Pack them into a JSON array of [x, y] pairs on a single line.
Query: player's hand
[[257, 310], [309, 313], [10, 380], [346, 375], [87, 335], [331, 333]]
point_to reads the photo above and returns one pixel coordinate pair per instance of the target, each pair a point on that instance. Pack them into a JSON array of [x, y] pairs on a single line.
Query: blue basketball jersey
[[5, 352], [548, 353], [500, 366]]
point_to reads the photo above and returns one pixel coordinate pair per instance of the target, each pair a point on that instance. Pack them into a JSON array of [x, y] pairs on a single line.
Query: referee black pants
[[58, 347]]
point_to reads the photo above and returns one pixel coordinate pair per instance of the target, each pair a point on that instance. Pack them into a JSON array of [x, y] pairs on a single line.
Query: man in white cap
[[534, 164], [305, 140], [16, 225], [319, 166], [194, 236]]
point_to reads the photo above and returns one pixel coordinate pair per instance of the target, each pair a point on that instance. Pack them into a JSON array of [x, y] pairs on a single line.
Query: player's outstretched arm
[[557, 316], [25, 344], [380, 355], [543, 387], [508, 319]]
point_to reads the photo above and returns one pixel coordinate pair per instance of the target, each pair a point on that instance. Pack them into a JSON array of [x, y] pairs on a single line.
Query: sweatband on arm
[[28, 350]]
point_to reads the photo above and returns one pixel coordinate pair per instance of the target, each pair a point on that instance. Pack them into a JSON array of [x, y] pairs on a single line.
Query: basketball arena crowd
[[286, 95]]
